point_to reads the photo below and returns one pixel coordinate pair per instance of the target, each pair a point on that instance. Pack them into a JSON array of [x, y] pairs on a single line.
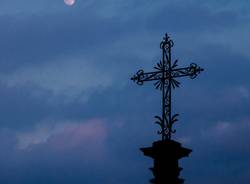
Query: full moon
[[69, 2]]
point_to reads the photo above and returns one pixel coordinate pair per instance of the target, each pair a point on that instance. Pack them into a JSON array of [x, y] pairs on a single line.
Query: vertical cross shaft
[[166, 45]]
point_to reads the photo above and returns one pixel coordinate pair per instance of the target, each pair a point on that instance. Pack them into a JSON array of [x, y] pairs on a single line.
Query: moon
[[69, 2]]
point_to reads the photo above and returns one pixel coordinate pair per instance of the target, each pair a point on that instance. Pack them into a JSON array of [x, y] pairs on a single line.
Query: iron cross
[[165, 78]]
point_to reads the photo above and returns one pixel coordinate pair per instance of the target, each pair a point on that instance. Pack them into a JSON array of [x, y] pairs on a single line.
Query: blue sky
[[70, 114]]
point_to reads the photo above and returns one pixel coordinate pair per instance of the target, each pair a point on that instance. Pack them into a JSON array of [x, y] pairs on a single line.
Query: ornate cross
[[165, 78]]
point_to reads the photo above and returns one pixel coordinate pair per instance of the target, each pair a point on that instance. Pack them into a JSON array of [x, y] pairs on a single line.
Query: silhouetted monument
[[166, 152]]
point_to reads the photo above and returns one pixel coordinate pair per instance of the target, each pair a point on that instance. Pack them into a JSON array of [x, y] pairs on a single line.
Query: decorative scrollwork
[[140, 77], [165, 78]]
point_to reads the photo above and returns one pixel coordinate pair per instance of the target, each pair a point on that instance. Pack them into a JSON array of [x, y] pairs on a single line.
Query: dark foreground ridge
[[166, 152]]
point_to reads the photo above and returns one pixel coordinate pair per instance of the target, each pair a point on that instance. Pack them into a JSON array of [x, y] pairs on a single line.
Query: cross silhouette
[[165, 80]]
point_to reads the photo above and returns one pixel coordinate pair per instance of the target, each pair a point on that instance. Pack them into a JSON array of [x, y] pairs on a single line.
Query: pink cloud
[[89, 133], [88, 138]]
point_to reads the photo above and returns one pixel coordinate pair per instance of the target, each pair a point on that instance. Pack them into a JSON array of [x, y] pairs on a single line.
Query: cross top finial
[[166, 42], [165, 80]]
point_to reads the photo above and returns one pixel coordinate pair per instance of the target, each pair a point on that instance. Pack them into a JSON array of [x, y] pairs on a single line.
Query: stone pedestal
[[166, 154]]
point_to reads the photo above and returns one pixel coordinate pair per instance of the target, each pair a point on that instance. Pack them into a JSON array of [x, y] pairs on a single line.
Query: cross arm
[[192, 71], [140, 77]]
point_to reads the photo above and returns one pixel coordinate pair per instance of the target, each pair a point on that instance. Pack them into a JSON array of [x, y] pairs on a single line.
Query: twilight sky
[[69, 113]]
